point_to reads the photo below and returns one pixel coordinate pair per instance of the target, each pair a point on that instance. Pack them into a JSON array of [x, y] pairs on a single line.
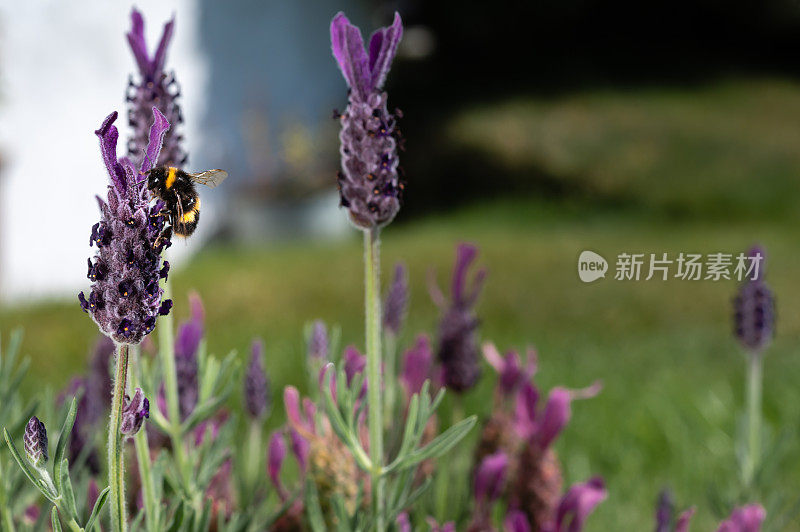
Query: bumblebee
[[176, 189]]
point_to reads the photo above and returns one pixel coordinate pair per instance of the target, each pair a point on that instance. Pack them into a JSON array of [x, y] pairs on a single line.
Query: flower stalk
[[372, 307], [754, 387], [142, 446], [116, 473]]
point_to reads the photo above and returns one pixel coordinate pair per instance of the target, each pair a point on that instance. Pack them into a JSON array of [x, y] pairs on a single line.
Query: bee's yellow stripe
[[191, 216], [171, 177]]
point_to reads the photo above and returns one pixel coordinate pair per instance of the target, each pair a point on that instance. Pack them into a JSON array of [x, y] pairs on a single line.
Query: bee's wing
[[210, 178]]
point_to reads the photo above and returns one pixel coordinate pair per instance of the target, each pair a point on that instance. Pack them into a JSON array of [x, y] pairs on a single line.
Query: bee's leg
[[165, 234]]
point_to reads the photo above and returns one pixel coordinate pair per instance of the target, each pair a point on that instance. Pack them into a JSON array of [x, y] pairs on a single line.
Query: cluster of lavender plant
[[365, 443]]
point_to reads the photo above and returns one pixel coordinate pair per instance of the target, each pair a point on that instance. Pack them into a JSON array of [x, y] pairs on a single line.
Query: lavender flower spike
[[190, 334], [155, 88], [318, 341], [125, 299], [256, 386], [36, 442], [396, 303], [754, 311], [369, 184], [134, 412]]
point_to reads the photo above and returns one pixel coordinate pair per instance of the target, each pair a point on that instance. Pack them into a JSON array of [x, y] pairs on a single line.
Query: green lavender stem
[[166, 351], [7, 522], [116, 473], [143, 457], [754, 378], [373, 340]]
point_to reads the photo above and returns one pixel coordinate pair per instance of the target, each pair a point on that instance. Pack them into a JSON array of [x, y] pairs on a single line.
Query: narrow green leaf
[[63, 438], [313, 509], [66, 490], [177, 520], [441, 444], [98, 507], [54, 520]]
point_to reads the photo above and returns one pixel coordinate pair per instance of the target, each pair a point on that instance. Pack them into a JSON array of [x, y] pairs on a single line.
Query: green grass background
[[703, 170]]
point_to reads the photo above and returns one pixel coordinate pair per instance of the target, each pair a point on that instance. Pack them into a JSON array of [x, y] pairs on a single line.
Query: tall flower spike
[[396, 303], [190, 334], [458, 348], [369, 184], [134, 412], [754, 310], [256, 386], [154, 88], [36, 442], [125, 299]]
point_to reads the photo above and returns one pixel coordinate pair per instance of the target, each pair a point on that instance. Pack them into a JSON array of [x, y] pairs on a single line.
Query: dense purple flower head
[[187, 342], [256, 385], [744, 519], [154, 88], [134, 411], [125, 299], [396, 303], [369, 184], [458, 347], [754, 310], [36, 442]]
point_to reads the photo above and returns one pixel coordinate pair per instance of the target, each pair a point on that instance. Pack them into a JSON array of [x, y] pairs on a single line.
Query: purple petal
[[348, 49], [682, 524], [275, 456], [578, 503], [525, 411], [490, 477], [157, 132], [465, 254], [291, 401], [160, 56], [108, 147], [300, 448], [417, 365], [354, 362], [382, 48], [744, 519], [557, 412], [137, 42], [403, 523], [516, 521]]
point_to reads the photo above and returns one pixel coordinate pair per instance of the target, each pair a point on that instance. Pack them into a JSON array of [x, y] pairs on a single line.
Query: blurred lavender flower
[[754, 309], [458, 349], [417, 367], [126, 298], [490, 480], [576, 505], [396, 303], [275, 455], [256, 385], [190, 334], [664, 510], [744, 519], [154, 89], [516, 521], [300, 449], [369, 185], [509, 368], [31, 515], [134, 412], [36, 442], [318, 341]]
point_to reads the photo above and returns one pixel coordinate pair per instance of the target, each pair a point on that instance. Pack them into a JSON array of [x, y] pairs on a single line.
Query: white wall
[[63, 67]]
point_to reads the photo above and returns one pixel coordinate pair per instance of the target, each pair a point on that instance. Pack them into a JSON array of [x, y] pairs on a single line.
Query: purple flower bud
[[754, 310], [275, 456], [491, 477], [36, 442], [31, 515], [120, 302], [516, 521], [417, 366], [300, 448], [682, 525], [155, 88], [318, 341], [256, 386], [543, 428], [369, 184], [190, 334], [134, 412], [396, 302], [744, 519], [509, 367], [576, 505], [664, 511]]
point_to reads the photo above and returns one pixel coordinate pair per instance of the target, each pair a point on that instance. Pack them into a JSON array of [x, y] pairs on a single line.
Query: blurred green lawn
[[673, 375]]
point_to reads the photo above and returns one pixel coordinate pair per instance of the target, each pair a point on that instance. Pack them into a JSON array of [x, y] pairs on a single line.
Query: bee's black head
[[156, 178]]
